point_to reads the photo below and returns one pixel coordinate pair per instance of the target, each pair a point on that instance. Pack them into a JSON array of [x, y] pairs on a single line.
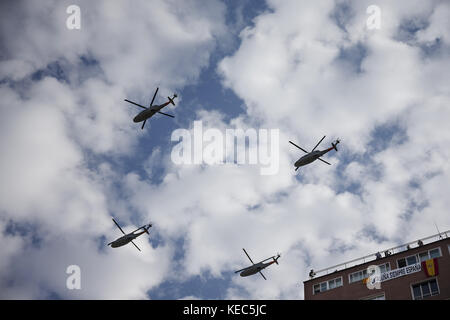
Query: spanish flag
[[430, 267]]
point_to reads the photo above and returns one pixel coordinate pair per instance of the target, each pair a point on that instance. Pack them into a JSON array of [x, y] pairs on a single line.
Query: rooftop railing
[[381, 254]]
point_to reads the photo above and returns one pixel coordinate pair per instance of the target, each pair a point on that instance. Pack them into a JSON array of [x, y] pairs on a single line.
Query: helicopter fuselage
[[255, 269], [125, 239], [148, 113], [310, 157]]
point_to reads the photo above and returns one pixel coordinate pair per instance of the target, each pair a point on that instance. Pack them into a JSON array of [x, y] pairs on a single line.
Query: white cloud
[[438, 25], [62, 113], [295, 77], [293, 72], [137, 46], [120, 274]]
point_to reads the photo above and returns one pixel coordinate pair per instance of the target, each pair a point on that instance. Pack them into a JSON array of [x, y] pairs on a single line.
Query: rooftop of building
[[380, 255]]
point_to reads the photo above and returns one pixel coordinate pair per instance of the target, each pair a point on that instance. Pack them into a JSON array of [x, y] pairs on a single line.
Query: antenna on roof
[[440, 236]]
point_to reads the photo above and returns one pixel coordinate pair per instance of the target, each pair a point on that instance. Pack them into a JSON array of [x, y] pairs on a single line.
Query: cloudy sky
[[71, 157]]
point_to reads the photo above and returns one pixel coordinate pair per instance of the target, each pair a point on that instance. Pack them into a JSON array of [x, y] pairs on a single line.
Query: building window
[[357, 276], [411, 260], [425, 289], [377, 297], [385, 267], [335, 283], [331, 284], [422, 256], [403, 262], [362, 274], [327, 285], [435, 253], [316, 288]]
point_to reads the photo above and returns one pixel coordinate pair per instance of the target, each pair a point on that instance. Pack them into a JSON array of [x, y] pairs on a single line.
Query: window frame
[[327, 283], [367, 275], [417, 255], [440, 252], [362, 276], [374, 296], [314, 288], [388, 268], [420, 283], [427, 257], [398, 264]]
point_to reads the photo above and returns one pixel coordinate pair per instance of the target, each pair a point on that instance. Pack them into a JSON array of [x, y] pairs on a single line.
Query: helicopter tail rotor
[[335, 144], [171, 99], [147, 227], [275, 259]]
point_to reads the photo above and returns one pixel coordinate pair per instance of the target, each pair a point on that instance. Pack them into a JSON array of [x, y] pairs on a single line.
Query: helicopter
[[151, 110], [313, 155], [255, 268], [129, 237]]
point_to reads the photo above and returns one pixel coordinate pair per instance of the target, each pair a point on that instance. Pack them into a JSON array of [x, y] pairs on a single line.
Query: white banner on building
[[389, 275]]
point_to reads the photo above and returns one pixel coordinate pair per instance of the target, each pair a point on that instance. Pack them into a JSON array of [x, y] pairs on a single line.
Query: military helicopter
[[258, 266], [313, 155], [127, 238], [151, 110]]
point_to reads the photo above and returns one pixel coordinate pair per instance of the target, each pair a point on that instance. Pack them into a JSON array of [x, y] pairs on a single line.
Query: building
[[415, 270]]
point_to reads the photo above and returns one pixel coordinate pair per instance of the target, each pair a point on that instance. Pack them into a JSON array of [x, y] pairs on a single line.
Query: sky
[[72, 158]]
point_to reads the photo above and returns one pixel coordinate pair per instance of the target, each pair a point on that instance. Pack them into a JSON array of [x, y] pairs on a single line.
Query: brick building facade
[[417, 270]]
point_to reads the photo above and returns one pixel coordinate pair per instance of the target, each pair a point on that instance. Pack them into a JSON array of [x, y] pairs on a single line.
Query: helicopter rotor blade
[[151, 103], [262, 275], [143, 124], [166, 114], [118, 225], [144, 227], [135, 103], [135, 245], [324, 161], [298, 147], [272, 257], [241, 270], [248, 256], [318, 143]]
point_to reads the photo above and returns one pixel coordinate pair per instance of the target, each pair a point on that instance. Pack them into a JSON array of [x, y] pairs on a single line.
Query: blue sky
[[73, 158]]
